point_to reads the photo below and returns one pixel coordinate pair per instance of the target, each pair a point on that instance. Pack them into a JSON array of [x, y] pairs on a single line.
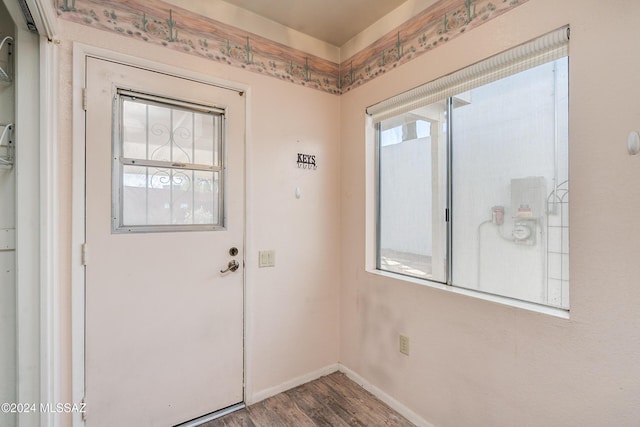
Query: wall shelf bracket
[[7, 147], [6, 74]]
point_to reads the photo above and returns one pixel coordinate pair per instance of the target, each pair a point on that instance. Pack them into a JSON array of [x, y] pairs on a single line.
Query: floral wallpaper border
[[158, 22]]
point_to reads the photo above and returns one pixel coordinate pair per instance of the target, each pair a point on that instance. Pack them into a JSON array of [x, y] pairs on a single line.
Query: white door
[[164, 208]]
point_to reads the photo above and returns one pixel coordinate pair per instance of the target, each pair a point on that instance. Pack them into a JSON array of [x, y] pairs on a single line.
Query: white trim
[[27, 169], [77, 235], [80, 54], [44, 16], [498, 299], [50, 384], [394, 404], [248, 259], [295, 382]]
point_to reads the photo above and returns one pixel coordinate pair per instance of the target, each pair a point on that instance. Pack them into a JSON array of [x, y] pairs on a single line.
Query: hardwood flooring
[[333, 400]]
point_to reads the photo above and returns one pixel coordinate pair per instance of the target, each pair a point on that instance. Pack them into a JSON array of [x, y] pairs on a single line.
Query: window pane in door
[[164, 196], [169, 165], [152, 131]]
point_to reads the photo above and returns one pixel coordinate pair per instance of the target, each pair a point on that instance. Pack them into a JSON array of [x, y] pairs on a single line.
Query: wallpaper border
[[178, 29]]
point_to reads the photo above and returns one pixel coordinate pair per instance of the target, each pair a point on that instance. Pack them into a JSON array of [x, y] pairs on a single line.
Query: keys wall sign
[[307, 161]]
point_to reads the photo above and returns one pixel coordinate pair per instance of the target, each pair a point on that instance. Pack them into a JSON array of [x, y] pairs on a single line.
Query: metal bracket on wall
[[5, 72]]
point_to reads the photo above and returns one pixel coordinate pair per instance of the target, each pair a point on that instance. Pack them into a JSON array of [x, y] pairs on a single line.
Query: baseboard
[[288, 385], [394, 404]]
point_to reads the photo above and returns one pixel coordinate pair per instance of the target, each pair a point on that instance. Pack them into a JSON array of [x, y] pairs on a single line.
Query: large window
[[473, 177]]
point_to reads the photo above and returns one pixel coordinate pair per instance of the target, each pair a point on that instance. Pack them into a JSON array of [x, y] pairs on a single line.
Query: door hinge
[[84, 254], [446, 215], [84, 98]]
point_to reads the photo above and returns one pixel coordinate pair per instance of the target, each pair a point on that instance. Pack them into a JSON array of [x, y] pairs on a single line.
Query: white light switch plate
[[266, 258], [404, 345]]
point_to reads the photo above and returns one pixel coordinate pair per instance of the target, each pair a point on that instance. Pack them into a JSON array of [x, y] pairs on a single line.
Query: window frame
[[387, 109], [442, 247], [119, 162]]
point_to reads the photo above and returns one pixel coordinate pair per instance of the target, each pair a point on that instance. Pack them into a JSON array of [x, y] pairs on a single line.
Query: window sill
[[538, 308]]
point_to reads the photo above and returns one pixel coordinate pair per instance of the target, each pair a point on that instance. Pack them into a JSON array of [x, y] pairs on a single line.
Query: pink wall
[[475, 362], [472, 362], [292, 308]]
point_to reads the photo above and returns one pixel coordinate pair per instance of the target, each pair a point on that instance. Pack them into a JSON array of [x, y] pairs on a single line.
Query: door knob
[[232, 266]]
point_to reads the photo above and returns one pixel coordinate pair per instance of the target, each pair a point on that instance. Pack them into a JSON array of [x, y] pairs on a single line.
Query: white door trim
[[50, 363], [80, 54], [45, 17], [28, 215], [37, 305]]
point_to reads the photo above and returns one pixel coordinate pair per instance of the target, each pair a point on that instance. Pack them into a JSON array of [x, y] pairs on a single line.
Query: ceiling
[[333, 21]]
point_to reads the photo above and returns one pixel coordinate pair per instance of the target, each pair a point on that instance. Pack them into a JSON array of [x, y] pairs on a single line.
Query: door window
[[168, 165]]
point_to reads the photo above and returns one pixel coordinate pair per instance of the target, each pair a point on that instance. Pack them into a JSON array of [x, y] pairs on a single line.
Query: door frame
[[37, 309], [81, 52]]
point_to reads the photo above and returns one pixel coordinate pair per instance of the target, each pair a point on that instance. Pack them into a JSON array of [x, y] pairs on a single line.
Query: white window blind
[[544, 49]]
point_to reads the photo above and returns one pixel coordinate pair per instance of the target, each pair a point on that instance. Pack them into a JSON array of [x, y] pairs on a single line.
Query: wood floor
[[333, 400]]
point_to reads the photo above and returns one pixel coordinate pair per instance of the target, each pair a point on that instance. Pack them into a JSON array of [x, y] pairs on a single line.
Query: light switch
[[267, 258], [404, 345]]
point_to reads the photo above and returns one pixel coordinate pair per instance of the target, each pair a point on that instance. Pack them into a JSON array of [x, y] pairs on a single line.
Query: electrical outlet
[[404, 345]]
